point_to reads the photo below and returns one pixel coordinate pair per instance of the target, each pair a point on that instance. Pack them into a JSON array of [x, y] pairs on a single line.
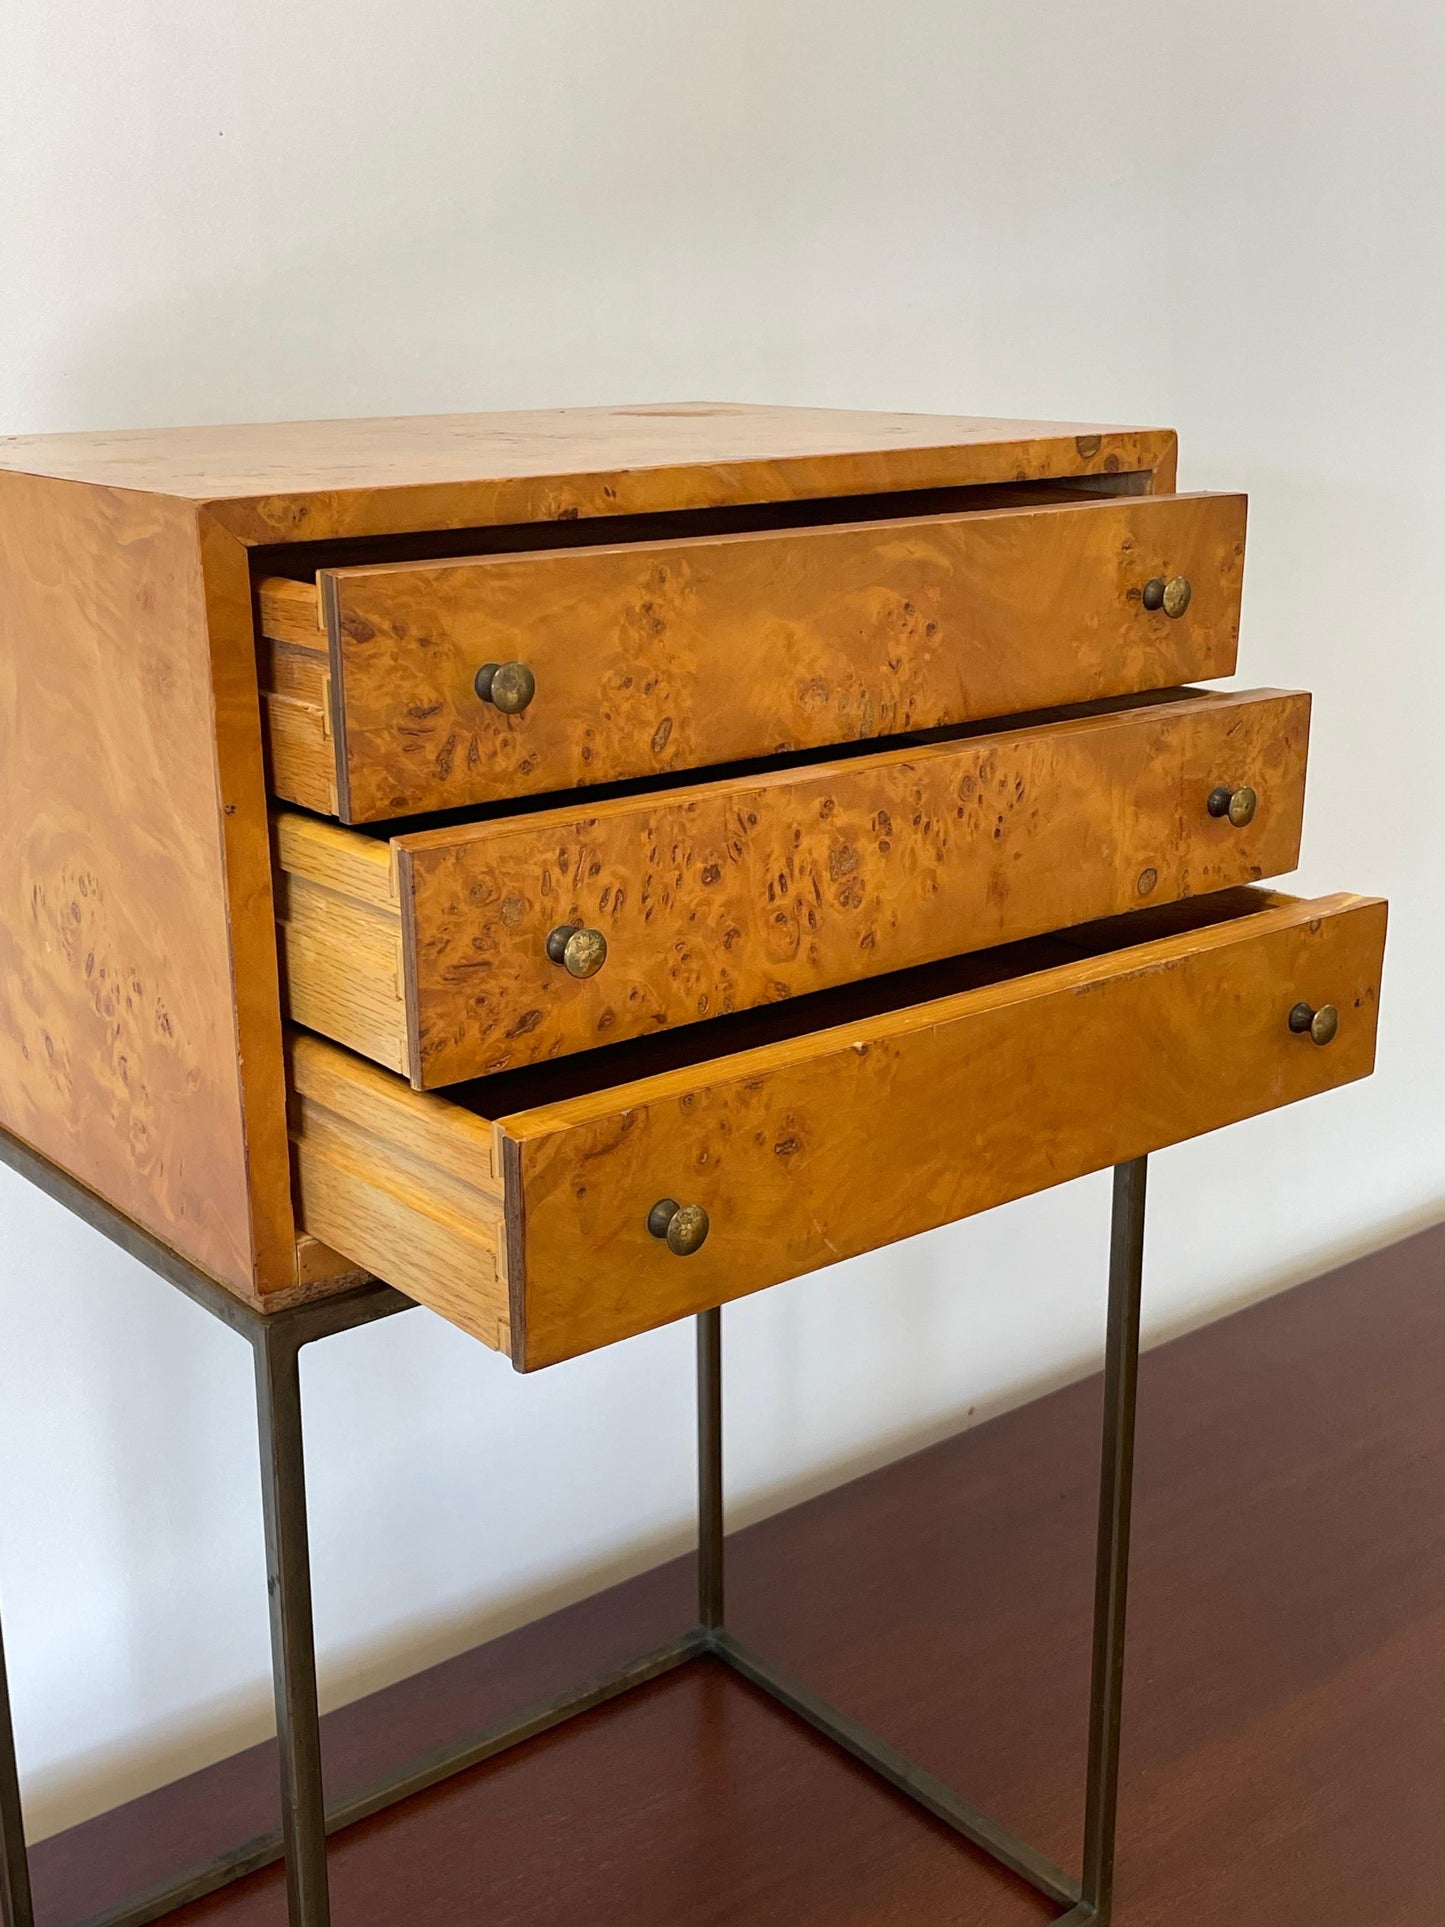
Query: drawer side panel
[[401, 1184]]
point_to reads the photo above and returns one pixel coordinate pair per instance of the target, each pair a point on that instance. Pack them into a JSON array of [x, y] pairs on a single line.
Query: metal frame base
[[277, 1340]]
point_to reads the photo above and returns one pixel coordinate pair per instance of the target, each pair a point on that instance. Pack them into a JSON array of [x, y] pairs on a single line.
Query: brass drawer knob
[[581, 953], [1319, 1025], [508, 686], [683, 1226], [1173, 596], [1238, 805]]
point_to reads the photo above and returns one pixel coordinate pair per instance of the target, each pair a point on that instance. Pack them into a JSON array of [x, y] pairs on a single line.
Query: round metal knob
[[683, 1226], [1173, 596], [581, 953], [508, 686], [1319, 1025], [1238, 805]]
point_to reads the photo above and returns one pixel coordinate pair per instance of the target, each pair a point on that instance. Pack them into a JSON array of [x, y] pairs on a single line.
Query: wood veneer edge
[[508, 1161], [410, 992], [331, 623], [242, 815]]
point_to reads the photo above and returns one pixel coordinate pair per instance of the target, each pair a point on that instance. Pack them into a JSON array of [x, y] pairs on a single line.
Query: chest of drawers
[[581, 867], [434, 847]]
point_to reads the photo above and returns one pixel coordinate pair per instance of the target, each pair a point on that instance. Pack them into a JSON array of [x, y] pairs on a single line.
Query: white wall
[[1222, 216]]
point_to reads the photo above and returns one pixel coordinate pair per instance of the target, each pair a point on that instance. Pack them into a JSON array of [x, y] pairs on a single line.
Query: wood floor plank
[[1284, 1752]]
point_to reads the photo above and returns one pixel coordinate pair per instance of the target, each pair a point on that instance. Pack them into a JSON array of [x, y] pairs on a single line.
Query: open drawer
[[456, 952], [533, 1208], [402, 687]]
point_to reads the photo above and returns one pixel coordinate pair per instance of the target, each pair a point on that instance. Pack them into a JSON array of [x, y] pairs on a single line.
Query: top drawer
[[631, 660]]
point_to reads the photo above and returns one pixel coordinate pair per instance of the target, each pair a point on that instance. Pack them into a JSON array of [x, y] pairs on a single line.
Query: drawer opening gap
[[505, 1093], [736, 772], [300, 560]]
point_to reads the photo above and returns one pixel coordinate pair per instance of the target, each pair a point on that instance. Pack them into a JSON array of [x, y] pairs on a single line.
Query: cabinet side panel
[[118, 1055]]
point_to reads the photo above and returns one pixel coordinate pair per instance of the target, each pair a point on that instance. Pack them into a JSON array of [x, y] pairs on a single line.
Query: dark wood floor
[[1284, 1754]]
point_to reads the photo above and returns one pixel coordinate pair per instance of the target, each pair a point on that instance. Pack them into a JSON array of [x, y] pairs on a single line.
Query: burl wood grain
[[309, 481], [118, 1024], [132, 743], [651, 657], [730, 894], [829, 1145]]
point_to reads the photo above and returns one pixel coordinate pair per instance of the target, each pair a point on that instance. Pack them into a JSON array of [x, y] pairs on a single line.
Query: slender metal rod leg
[[709, 1470], [16, 1908], [1121, 1381], [293, 1642]]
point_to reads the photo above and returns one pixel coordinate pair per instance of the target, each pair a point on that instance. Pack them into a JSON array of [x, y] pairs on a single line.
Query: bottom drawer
[[525, 1206]]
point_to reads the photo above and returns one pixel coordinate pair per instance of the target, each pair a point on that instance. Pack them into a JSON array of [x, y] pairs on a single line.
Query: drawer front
[[531, 1228], [674, 655], [728, 895], [807, 1153]]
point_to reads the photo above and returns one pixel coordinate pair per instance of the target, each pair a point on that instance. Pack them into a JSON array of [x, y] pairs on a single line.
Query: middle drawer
[[452, 953]]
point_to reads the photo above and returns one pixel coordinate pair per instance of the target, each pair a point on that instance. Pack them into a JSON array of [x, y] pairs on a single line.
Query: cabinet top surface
[[305, 480]]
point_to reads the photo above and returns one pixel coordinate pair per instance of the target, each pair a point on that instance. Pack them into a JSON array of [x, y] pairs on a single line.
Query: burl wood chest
[[584, 866]]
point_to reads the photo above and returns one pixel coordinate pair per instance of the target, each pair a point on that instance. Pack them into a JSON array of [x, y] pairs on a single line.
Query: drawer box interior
[[811, 1131]]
